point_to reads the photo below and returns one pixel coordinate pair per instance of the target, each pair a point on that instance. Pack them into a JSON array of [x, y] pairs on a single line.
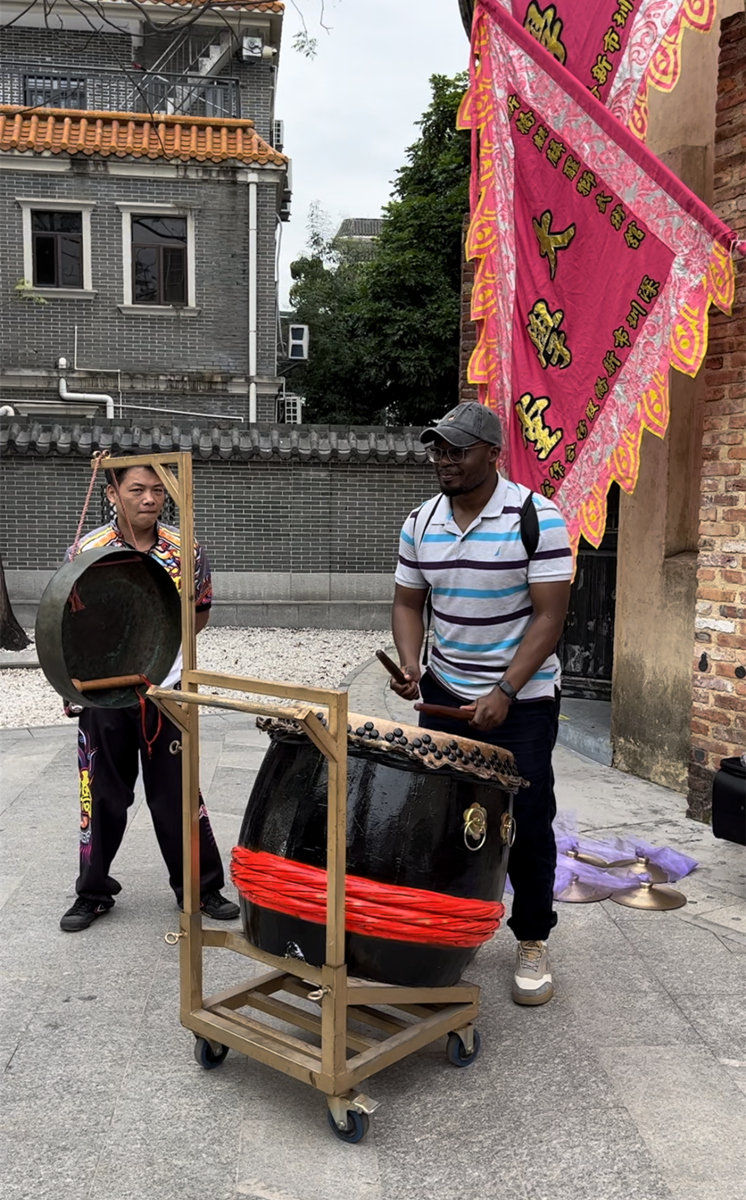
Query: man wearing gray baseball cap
[[498, 608]]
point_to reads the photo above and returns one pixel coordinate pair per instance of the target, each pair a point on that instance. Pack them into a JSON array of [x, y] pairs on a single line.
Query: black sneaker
[[83, 913], [214, 905]]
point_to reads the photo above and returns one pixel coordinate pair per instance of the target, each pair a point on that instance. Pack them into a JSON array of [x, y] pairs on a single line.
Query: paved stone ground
[[630, 1085]]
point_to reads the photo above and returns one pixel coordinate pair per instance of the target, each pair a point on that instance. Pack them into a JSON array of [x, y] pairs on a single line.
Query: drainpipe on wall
[[75, 396], [252, 181]]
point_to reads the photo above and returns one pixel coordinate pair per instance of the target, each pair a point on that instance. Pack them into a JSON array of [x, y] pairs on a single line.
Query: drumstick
[[394, 671], [114, 681], [441, 710]]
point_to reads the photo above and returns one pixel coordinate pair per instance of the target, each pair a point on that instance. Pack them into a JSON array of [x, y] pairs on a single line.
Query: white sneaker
[[532, 982]]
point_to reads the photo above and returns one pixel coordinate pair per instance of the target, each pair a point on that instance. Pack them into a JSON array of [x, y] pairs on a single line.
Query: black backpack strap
[[529, 526], [429, 600]]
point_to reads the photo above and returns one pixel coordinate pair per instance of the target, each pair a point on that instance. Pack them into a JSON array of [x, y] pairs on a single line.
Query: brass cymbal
[[586, 856], [582, 893], [653, 897], [639, 866]]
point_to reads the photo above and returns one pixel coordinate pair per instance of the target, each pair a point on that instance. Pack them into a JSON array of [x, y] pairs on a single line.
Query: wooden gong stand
[[350, 1009]]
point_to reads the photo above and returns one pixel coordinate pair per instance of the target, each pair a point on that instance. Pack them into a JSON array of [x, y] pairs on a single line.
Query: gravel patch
[[314, 657]]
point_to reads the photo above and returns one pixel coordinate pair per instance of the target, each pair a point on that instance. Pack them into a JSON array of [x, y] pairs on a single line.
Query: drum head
[[107, 613]]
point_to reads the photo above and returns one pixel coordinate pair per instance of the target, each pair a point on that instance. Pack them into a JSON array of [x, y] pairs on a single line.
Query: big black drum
[[409, 793]]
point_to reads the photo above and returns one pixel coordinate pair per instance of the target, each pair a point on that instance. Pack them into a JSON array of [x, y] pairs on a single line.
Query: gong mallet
[[395, 672]]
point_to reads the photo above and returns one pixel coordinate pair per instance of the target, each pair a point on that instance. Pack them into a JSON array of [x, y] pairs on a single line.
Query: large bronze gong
[[108, 613]]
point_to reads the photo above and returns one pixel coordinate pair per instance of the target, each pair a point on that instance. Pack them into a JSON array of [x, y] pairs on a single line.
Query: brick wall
[[719, 707], [156, 353], [286, 516]]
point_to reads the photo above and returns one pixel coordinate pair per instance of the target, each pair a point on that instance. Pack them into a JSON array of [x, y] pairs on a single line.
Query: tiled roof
[[365, 227], [272, 6], [124, 135], [342, 443]]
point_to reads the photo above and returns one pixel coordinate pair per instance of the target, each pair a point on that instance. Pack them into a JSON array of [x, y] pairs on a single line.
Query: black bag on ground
[[729, 801]]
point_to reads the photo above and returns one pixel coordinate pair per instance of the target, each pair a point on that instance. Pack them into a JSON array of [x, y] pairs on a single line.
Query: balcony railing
[[105, 89]]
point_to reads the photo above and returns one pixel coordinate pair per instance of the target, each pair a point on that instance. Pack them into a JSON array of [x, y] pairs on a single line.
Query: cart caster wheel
[[457, 1053], [206, 1056], [358, 1124]]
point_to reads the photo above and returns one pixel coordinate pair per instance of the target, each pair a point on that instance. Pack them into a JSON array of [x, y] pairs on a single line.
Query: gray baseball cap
[[465, 424]]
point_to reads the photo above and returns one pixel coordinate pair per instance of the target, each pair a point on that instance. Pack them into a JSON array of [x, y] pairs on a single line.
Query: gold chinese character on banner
[[634, 236], [586, 183], [541, 135], [555, 150], [582, 431], [557, 471], [601, 69], [616, 216], [547, 489], [525, 121], [601, 387], [550, 243], [603, 201], [634, 314], [544, 331], [513, 104], [648, 289], [570, 452], [591, 409], [623, 9], [611, 363], [546, 27], [621, 337], [536, 432], [612, 41], [570, 167]]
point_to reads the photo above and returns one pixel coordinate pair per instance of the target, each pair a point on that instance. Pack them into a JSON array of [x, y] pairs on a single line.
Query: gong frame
[[344, 1054]]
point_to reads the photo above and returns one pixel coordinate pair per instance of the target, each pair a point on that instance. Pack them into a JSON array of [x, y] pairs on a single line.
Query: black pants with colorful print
[[112, 746]]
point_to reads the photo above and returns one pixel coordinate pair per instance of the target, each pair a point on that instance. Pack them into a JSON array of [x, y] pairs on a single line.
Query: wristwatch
[[508, 688]]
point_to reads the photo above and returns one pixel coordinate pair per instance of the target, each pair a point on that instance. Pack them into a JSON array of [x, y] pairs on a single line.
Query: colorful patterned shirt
[[480, 581], [166, 551]]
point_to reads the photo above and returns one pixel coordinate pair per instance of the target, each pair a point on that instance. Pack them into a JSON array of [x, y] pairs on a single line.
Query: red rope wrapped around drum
[[379, 910]]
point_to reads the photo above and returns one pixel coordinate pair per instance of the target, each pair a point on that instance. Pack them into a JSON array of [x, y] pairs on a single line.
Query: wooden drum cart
[[343, 1053]]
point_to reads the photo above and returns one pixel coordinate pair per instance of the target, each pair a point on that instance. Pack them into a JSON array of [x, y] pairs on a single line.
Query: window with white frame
[[158, 258], [159, 253], [57, 246]]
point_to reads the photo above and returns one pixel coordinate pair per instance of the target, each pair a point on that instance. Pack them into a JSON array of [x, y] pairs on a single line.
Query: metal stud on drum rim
[[655, 897]]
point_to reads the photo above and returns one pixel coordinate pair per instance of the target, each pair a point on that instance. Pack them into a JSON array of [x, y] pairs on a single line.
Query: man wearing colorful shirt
[[110, 741], [497, 617]]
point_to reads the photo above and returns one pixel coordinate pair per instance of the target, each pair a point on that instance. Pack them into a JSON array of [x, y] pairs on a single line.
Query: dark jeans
[[111, 747], [529, 732]]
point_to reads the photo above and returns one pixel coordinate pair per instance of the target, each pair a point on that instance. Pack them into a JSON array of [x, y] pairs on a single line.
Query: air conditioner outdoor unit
[[251, 47], [298, 342], [278, 134]]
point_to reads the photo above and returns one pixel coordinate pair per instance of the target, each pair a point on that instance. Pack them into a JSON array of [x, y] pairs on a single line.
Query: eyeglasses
[[452, 454]]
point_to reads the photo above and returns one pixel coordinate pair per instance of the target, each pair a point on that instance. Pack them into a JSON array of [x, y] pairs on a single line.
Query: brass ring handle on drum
[[507, 829], [475, 827], [175, 747]]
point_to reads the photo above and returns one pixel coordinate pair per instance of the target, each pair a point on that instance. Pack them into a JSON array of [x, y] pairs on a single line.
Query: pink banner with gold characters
[[595, 270], [618, 49]]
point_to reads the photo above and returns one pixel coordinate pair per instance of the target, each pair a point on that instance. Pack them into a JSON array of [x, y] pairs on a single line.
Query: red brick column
[[468, 338], [719, 692]]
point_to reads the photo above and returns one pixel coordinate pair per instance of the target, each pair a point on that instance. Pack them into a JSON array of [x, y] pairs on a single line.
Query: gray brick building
[[141, 184]]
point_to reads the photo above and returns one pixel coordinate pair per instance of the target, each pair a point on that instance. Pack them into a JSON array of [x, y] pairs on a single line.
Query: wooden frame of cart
[[351, 1009]]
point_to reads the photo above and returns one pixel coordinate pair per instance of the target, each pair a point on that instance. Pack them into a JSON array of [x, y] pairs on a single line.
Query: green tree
[[385, 332]]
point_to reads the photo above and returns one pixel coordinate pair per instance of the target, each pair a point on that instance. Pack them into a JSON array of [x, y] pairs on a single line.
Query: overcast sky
[[350, 112]]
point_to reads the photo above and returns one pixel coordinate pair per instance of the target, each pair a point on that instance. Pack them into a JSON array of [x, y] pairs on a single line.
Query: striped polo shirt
[[480, 586]]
